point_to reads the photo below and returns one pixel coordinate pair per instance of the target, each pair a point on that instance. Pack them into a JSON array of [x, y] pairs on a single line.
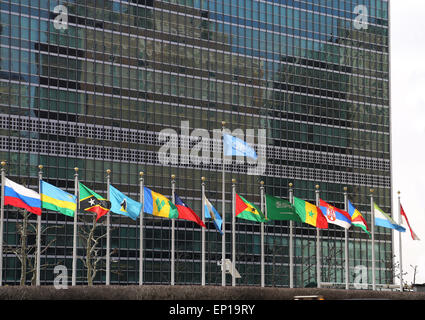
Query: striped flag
[[335, 216], [18, 196], [310, 214], [212, 213], [384, 220], [53, 198]]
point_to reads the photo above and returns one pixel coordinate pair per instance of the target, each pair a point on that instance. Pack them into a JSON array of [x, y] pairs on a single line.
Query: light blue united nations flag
[[234, 146]]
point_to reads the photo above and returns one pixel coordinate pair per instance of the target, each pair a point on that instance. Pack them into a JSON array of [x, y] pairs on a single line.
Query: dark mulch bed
[[162, 292]]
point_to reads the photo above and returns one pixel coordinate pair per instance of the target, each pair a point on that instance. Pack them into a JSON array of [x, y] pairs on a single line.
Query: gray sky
[[408, 127]]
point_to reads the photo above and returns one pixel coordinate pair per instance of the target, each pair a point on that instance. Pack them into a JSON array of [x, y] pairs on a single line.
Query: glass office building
[[91, 84]]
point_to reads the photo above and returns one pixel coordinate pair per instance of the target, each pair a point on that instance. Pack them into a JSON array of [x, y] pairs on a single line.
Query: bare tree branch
[[26, 252]]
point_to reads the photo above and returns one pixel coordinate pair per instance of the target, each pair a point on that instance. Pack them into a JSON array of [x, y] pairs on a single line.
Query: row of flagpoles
[[154, 203], [150, 202]]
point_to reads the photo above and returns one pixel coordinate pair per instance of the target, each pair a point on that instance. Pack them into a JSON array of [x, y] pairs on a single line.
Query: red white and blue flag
[[17, 195], [335, 216], [187, 213]]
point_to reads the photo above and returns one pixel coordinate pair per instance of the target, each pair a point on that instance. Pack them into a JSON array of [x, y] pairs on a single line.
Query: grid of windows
[[96, 95]]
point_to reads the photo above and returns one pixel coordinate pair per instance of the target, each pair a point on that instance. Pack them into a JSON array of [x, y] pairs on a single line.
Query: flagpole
[[318, 255], [3, 180], [233, 231], [291, 241], [74, 246], [173, 235], [347, 281], [223, 218], [203, 232], [37, 268], [400, 221], [142, 200], [372, 213], [108, 224], [262, 233]]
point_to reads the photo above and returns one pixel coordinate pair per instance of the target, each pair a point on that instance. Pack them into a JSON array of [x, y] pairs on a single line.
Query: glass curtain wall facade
[[96, 93]]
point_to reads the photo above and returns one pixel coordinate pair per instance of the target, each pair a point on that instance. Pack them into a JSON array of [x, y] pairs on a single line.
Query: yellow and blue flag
[[158, 205], [53, 198], [357, 218], [121, 204]]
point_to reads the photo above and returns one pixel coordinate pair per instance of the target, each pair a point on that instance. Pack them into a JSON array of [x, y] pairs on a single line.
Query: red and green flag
[[310, 214], [93, 202], [247, 210]]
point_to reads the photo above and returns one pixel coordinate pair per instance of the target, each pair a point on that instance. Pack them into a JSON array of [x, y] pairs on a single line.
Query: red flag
[[187, 213], [414, 236], [240, 205]]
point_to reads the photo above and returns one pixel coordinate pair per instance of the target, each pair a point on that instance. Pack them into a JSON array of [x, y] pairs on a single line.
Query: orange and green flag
[[247, 210], [310, 214]]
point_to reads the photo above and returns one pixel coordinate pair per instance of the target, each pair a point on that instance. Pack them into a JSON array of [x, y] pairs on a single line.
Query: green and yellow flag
[[247, 210], [310, 214], [158, 205]]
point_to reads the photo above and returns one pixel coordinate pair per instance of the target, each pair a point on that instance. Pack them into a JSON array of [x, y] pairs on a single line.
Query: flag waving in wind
[[384, 220], [247, 210], [186, 213], [310, 214], [335, 216], [414, 236], [121, 204], [158, 205], [211, 213], [357, 218], [53, 198], [91, 201], [234, 146], [17, 195], [280, 209]]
